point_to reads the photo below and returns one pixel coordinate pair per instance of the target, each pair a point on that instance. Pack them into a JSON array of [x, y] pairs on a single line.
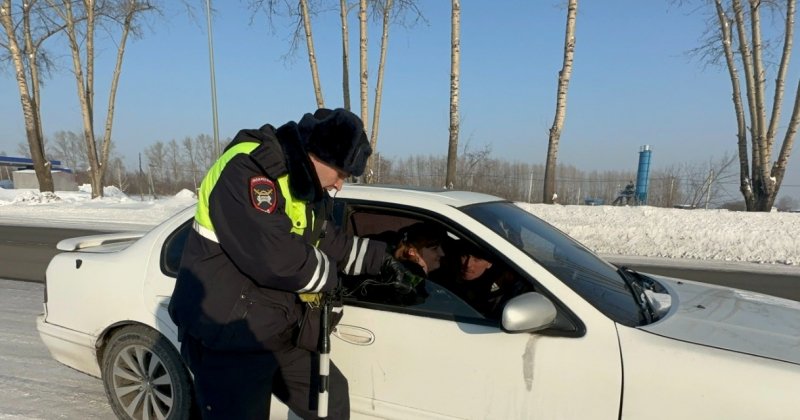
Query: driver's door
[[442, 359], [407, 364]]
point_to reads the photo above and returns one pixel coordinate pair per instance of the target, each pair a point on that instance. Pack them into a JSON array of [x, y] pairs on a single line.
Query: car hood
[[731, 319]]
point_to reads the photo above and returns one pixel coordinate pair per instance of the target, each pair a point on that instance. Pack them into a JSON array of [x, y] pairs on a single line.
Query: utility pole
[[213, 79]]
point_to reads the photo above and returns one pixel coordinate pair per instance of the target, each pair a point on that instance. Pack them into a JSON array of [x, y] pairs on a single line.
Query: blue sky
[[632, 83]]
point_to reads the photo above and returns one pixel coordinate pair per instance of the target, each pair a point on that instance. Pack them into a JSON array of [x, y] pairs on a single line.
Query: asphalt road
[[25, 252]]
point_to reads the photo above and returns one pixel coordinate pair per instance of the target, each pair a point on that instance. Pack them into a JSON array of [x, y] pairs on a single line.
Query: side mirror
[[528, 312]]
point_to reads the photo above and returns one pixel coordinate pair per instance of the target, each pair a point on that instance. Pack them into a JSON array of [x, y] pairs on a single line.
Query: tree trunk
[[345, 55], [28, 100], [779, 167], [376, 112], [455, 68], [97, 177], [362, 53], [564, 75], [741, 124], [85, 84], [760, 182], [84, 73], [312, 58]]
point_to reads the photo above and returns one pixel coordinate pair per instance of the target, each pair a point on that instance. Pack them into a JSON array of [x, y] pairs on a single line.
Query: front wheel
[[144, 376]]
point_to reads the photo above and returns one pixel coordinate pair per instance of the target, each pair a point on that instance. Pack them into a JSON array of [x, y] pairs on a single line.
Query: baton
[[324, 356]]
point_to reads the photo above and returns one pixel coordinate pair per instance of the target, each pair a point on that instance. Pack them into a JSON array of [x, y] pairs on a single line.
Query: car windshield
[[594, 279]]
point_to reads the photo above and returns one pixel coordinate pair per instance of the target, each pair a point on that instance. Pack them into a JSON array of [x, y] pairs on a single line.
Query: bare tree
[[302, 17], [24, 32], [739, 33], [472, 163], [703, 184], [665, 187], [204, 149], [561, 104], [343, 9], [387, 11], [70, 148], [312, 57], [174, 163], [81, 19], [371, 175], [362, 60], [455, 66], [121, 174], [157, 160], [190, 158]]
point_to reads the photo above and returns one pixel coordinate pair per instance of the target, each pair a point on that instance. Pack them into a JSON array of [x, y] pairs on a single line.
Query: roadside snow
[[630, 232]]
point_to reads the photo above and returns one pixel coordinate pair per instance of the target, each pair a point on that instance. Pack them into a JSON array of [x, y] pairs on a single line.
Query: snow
[[640, 232], [76, 209], [33, 385]]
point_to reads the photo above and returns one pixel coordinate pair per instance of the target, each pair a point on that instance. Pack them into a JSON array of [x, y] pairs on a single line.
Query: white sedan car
[[583, 339]]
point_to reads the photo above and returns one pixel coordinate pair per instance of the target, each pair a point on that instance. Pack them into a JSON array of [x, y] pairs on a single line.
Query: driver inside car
[[477, 278]]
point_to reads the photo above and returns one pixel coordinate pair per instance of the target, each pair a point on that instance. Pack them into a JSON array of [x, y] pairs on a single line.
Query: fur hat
[[337, 138], [422, 234]]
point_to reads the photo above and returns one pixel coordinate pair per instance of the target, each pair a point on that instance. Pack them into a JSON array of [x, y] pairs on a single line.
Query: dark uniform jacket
[[243, 266]]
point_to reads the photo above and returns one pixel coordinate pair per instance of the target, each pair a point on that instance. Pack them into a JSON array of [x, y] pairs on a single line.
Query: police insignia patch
[[263, 194]]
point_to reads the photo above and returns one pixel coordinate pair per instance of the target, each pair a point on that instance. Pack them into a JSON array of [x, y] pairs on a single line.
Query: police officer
[[261, 240]]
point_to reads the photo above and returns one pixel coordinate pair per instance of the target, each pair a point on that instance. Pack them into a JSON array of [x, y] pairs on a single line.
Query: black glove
[[395, 273]]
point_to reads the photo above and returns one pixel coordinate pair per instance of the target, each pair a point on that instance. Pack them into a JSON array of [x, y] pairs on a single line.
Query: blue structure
[[643, 174], [27, 163]]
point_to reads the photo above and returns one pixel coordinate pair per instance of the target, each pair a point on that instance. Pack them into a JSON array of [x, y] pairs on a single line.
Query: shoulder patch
[[263, 194]]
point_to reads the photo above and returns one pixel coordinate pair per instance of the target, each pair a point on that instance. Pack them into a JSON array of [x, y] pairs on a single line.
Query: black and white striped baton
[[324, 356]]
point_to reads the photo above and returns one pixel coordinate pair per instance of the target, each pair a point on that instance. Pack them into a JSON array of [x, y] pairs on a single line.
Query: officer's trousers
[[239, 385]]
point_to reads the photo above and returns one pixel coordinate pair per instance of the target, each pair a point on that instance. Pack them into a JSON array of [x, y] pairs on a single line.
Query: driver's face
[[473, 267]]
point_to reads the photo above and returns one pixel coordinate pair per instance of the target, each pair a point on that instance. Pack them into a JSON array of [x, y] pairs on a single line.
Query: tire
[[144, 376]]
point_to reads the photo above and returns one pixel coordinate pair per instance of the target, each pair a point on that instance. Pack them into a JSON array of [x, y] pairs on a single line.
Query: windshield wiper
[[637, 287]]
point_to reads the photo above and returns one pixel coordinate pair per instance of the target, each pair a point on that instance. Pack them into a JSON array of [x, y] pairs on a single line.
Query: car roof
[[412, 195]]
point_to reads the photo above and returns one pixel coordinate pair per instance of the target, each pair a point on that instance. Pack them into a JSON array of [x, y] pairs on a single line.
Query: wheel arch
[[105, 336]]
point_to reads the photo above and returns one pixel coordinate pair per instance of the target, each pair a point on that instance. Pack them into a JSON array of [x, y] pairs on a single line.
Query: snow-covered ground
[[633, 232], [33, 385]]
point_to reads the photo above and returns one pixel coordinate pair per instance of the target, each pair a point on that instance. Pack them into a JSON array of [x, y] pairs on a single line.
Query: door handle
[[354, 335]]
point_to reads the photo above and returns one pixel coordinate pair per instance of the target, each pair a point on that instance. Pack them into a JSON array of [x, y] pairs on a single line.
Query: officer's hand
[[395, 273]]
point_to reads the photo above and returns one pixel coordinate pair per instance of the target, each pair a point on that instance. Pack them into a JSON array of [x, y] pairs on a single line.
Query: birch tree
[[564, 75], [740, 37], [24, 30], [312, 57], [343, 12], [376, 112], [387, 11], [455, 65], [80, 20], [301, 17], [362, 61]]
